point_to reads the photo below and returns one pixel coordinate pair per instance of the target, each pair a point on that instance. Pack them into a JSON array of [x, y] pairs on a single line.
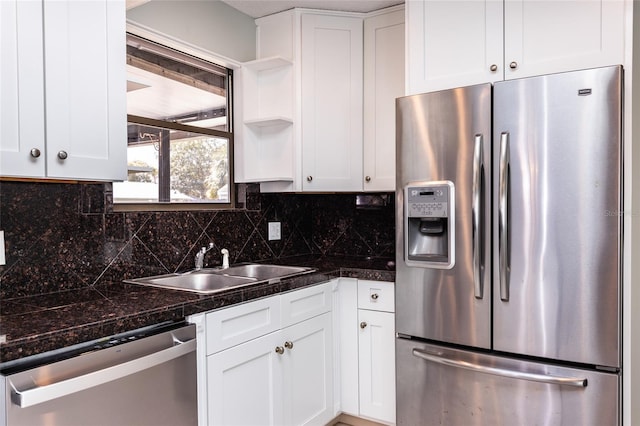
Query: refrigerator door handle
[[513, 374], [504, 216], [477, 215]]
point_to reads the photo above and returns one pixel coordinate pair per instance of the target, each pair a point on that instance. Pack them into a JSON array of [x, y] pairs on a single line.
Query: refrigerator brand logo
[[619, 213], [584, 92]]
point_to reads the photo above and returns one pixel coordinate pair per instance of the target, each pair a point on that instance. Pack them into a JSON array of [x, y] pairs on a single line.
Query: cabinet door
[[383, 83], [345, 330], [331, 80], [453, 43], [377, 365], [308, 372], [21, 89], [245, 383], [543, 37], [86, 91]]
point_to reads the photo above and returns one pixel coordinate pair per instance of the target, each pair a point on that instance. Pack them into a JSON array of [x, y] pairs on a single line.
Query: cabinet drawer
[[232, 326], [376, 295], [303, 304]]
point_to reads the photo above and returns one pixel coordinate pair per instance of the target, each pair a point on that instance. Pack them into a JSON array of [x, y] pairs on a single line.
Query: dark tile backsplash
[[62, 236]]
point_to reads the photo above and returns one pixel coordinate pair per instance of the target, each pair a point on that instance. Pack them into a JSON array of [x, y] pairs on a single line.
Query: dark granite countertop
[[37, 324]]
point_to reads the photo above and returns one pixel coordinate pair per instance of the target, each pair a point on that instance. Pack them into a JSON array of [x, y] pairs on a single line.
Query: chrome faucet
[[200, 256], [225, 258]]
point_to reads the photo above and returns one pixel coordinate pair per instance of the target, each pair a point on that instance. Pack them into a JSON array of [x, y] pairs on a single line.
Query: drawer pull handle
[[363, 325], [62, 155], [288, 345], [279, 350], [35, 152], [375, 296]]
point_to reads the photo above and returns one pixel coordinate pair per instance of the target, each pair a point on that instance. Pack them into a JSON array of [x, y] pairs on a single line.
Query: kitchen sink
[[265, 272], [207, 281]]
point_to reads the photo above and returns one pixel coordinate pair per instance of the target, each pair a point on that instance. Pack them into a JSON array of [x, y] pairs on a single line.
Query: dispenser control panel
[[428, 201], [429, 224]]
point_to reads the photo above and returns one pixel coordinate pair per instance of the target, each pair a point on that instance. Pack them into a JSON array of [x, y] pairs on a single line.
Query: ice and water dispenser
[[430, 224]]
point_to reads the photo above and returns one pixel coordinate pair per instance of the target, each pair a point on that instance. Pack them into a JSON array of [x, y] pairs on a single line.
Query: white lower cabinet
[[376, 365], [308, 372], [366, 339], [245, 384], [283, 378], [300, 358], [268, 362]]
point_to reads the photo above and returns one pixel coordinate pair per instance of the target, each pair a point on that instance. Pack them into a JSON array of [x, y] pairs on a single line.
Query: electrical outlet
[[2, 258], [274, 231]]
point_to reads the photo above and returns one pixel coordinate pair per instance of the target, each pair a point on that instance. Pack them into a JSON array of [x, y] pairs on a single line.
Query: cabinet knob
[[368, 178], [363, 325], [375, 296], [279, 350], [62, 155], [35, 152], [288, 345], [309, 178], [513, 65], [493, 68]]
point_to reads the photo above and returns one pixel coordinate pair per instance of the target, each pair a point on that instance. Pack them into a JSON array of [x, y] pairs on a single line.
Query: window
[[180, 139]]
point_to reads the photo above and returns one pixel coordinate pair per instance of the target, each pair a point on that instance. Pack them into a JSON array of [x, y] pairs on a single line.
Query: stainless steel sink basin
[[207, 281], [198, 282], [265, 272]]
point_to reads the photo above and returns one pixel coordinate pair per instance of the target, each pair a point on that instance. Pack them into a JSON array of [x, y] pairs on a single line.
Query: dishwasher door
[[130, 380]]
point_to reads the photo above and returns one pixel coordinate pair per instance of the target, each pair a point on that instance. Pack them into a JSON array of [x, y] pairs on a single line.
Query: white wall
[[631, 271], [209, 24]]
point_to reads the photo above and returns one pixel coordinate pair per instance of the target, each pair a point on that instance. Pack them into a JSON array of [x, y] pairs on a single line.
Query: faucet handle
[[199, 261], [225, 258]]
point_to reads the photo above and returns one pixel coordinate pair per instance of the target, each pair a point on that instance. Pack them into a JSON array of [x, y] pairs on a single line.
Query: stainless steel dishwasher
[[144, 377]]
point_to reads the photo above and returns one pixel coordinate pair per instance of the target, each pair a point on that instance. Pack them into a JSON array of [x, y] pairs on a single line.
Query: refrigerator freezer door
[[445, 137], [557, 216], [443, 386]]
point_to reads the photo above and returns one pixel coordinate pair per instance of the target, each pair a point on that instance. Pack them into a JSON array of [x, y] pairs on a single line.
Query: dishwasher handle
[[38, 395]]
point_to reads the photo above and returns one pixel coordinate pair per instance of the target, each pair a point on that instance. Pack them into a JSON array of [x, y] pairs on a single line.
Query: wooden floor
[[347, 420]]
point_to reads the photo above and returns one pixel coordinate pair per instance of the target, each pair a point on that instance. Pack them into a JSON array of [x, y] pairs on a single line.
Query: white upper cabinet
[[461, 43], [21, 89], [264, 151], [543, 37], [303, 119], [70, 122], [331, 102], [452, 43], [383, 83]]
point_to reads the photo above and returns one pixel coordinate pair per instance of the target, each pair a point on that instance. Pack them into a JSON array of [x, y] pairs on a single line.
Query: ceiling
[[259, 8]]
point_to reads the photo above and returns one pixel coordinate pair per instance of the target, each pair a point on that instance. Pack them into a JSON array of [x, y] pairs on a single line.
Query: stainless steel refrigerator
[[508, 271]]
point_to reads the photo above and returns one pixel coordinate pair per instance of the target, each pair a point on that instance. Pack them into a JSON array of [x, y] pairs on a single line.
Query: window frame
[[190, 50], [171, 206]]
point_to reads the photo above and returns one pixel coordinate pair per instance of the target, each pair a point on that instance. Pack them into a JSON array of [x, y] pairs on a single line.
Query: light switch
[[2, 258], [274, 231]]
